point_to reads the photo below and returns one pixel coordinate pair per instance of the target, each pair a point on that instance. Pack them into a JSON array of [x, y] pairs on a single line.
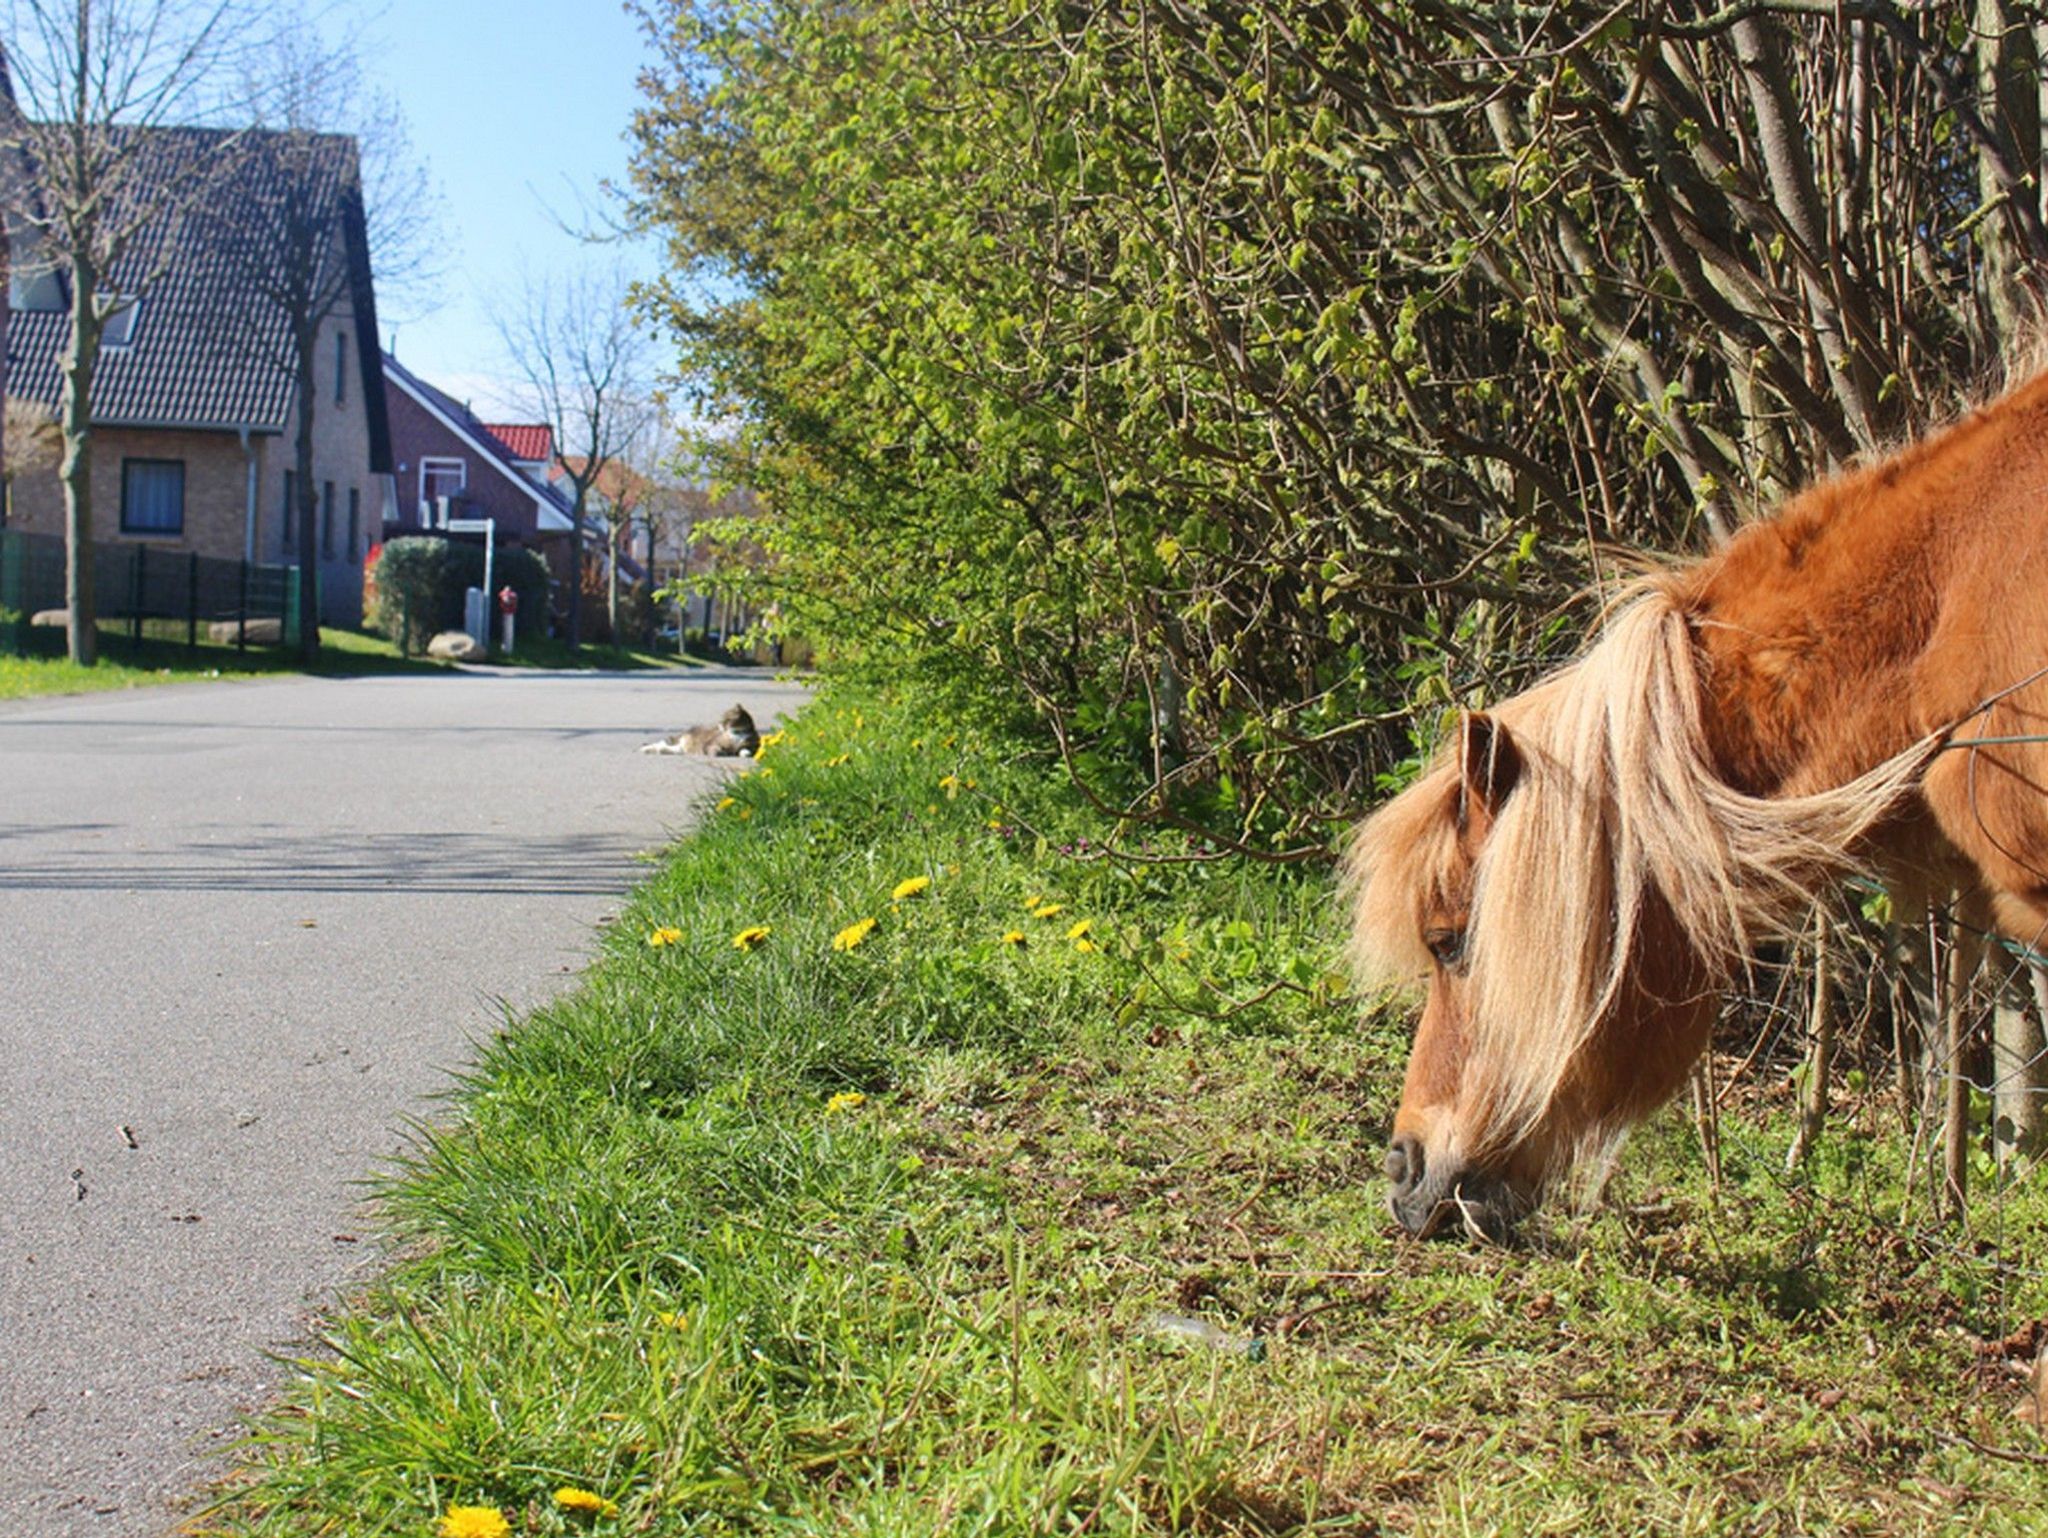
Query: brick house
[[194, 406], [441, 449]]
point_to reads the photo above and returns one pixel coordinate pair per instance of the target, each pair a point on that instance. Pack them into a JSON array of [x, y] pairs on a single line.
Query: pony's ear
[[1489, 763]]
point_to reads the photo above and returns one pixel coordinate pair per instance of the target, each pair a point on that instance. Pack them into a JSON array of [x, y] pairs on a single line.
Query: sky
[[518, 110]]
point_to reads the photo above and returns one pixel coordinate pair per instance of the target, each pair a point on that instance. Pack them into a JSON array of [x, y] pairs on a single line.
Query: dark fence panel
[[142, 591]]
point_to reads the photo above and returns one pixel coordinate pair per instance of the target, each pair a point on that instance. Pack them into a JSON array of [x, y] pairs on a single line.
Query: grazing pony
[[1586, 867]]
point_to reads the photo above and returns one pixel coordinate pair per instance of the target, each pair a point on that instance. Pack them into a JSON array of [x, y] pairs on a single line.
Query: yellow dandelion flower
[[843, 758], [1085, 946], [995, 822], [852, 935], [950, 784], [910, 888], [668, 934], [1033, 900], [750, 938], [745, 813], [774, 737], [766, 771], [474, 1522], [724, 802], [673, 1321], [1014, 937], [949, 742], [846, 1100], [1080, 929], [917, 742], [569, 1498], [1049, 910]]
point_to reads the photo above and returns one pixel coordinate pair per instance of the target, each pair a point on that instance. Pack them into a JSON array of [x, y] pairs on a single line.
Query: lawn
[[128, 664], [904, 1164]]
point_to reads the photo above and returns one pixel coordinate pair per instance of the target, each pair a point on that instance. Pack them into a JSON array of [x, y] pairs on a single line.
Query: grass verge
[[131, 664], [903, 1166]]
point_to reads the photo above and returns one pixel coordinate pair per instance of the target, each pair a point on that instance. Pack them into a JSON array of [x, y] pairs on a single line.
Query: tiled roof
[[206, 351], [529, 442]]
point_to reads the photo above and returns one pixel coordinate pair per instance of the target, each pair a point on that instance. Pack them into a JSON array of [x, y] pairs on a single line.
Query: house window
[[118, 328], [153, 496], [340, 367], [440, 478], [327, 520], [291, 512], [355, 523]]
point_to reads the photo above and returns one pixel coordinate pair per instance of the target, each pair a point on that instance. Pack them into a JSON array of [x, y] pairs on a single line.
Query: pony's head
[[1573, 883]]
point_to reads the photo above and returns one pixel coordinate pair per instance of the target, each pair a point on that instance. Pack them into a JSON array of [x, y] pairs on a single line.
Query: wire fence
[[1920, 1033], [144, 592]]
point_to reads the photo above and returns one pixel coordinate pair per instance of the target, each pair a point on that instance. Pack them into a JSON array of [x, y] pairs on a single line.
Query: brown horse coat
[[1585, 869]]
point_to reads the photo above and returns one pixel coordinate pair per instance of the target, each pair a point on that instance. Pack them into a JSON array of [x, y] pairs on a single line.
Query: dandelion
[[846, 1100], [774, 737], [474, 1522], [1014, 937], [852, 935], [1080, 929], [569, 1498], [668, 934], [843, 758], [750, 938], [1048, 910], [910, 888], [950, 785], [746, 812], [1085, 947], [724, 802], [672, 1321]]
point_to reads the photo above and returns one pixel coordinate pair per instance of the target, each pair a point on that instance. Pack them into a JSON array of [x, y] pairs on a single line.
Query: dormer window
[[122, 312]]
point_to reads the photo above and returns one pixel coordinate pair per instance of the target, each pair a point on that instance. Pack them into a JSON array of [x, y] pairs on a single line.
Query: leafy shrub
[[420, 582]]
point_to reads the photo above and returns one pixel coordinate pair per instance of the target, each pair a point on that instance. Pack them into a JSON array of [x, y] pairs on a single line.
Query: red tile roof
[[532, 442]]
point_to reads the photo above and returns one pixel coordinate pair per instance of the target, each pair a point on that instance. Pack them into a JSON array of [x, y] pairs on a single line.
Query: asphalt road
[[245, 931]]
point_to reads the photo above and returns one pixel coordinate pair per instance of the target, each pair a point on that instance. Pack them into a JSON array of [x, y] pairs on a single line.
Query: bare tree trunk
[[1913, 1000], [308, 508], [81, 629], [1813, 1109], [2007, 75], [576, 571], [1964, 954], [2016, 1067], [611, 595]]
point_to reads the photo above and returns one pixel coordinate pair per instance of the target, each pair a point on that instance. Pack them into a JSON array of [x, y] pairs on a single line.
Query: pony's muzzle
[[1446, 1198]]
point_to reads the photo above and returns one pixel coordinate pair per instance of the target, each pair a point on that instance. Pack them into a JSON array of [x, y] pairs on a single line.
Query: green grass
[[130, 664], [660, 1250]]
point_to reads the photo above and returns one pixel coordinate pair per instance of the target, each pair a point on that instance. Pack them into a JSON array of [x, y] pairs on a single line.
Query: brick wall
[[216, 484]]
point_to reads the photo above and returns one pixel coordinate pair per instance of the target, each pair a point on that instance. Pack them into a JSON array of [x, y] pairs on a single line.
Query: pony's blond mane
[[1617, 804]]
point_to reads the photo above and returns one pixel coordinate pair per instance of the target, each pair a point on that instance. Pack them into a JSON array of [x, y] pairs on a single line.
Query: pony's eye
[[1447, 945]]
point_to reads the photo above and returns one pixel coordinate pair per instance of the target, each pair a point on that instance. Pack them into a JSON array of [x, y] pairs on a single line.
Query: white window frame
[[123, 316], [440, 462]]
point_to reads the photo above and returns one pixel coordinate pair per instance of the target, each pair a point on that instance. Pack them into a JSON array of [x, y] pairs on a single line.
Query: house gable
[[431, 426]]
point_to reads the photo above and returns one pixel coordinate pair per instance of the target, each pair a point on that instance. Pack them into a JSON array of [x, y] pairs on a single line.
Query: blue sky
[[518, 109]]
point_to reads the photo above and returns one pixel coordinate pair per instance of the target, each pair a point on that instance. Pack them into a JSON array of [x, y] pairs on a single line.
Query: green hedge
[[418, 583]]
